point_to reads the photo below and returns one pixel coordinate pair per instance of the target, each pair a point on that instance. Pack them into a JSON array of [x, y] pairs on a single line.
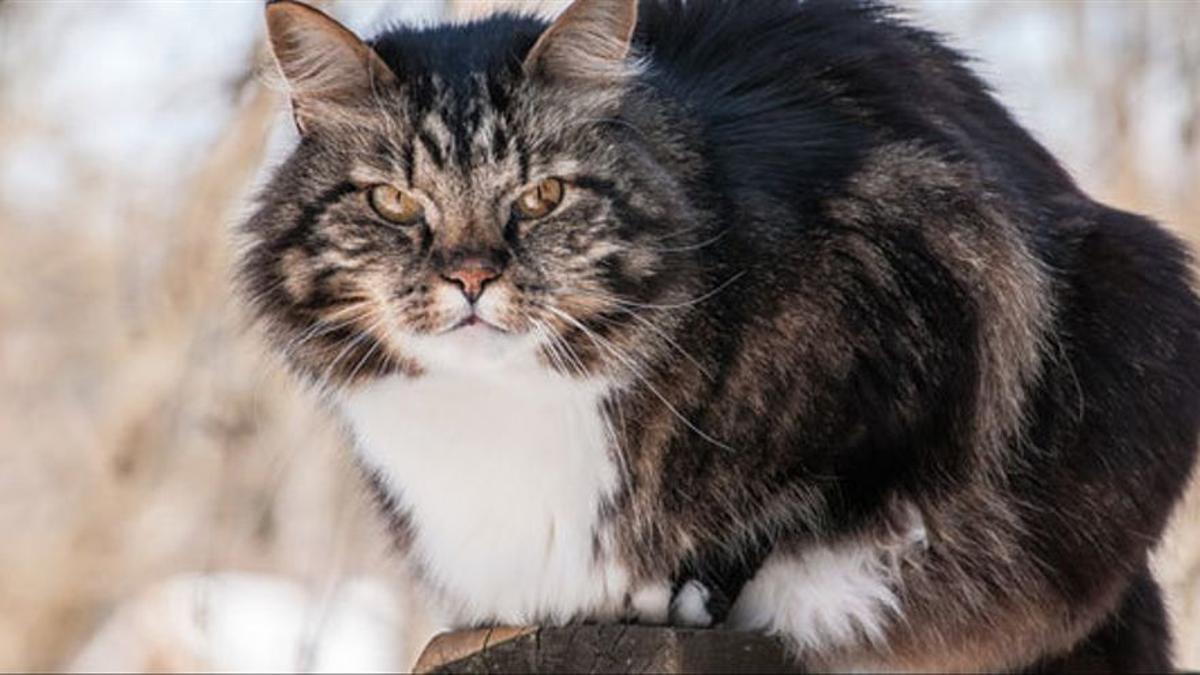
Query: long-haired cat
[[760, 314]]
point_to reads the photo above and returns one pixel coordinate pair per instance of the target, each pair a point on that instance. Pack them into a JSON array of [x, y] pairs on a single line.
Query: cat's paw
[[650, 604], [690, 606]]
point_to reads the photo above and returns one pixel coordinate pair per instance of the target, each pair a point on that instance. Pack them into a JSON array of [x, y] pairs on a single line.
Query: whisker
[[609, 428], [572, 355], [605, 344], [571, 361], [323, 385], [676, 233], [668, 339], [257, 299], [322, 327], [678, 305], [692, 247], [551, 348], [363, 361]]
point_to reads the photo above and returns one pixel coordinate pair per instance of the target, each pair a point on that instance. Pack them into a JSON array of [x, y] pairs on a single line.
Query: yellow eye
[[540, 199], [395, 205]]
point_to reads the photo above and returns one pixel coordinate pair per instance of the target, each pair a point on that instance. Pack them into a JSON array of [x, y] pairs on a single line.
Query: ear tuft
[[589, 42], [324, 64]]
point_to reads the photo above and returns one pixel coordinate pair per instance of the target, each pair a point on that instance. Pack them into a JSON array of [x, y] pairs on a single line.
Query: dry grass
[[143, 432]]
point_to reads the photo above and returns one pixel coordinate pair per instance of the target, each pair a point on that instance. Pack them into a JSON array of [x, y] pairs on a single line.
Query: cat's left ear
[[589, 42], [325, 65]]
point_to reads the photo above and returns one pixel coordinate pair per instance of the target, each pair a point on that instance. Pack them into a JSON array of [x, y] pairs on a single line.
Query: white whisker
[[692, 247], [677, 305], [605, 344], [323, 385], [668, 339]]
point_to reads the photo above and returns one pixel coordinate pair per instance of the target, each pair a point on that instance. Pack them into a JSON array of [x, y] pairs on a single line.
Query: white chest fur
[[502, 475]]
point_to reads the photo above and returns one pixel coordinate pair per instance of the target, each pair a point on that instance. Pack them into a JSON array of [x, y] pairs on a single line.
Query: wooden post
[[603, 649]]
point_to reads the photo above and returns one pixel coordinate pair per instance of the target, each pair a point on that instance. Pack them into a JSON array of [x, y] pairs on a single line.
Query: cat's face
[[467, 220]]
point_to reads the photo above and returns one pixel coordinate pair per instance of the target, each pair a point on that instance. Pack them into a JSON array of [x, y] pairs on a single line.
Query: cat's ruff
[[502, 474]]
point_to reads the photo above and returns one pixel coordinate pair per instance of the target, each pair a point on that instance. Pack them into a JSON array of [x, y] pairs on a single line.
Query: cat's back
[[799, 93]]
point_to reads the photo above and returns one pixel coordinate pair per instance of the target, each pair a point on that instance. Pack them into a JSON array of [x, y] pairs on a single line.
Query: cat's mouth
[[476, 323]]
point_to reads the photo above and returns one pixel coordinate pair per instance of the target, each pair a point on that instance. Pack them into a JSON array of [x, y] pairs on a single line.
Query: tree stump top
[[593, 648]]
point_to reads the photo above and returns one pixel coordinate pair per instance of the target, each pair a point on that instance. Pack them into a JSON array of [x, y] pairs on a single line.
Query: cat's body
[[809, 338]]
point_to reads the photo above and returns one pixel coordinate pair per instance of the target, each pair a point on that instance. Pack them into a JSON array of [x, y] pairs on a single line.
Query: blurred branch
[[203, 248]]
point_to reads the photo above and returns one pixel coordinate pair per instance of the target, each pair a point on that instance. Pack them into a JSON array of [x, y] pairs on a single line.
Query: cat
[[758, 315]]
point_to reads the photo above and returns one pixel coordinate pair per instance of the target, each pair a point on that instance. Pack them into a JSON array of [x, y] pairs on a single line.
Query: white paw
[[651, 604], [690, 606]]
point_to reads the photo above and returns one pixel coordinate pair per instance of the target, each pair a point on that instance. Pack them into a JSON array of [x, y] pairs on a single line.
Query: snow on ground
[[236, 622]]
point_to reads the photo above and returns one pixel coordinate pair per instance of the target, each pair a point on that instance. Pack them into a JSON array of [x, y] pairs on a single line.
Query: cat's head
[[467, 196]]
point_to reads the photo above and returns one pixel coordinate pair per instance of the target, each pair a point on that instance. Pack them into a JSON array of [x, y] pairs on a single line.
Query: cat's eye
[[395, 205], [540, 199]]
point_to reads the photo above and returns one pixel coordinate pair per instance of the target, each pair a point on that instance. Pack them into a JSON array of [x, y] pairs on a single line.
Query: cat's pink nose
[[472, 275]]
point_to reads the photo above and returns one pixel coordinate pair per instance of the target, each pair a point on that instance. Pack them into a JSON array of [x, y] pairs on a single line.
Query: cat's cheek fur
[[504, 479]]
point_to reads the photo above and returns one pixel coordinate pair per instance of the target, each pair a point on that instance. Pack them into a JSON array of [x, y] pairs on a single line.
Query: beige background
[[143, 433]]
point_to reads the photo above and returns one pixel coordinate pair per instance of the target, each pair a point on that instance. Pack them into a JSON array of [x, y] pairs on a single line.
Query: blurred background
[[169, 500]]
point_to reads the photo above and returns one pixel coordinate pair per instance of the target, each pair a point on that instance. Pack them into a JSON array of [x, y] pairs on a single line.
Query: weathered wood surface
[[603, 649]]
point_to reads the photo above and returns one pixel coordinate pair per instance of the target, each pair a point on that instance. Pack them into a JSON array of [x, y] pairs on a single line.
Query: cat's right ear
[[324, 65]]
